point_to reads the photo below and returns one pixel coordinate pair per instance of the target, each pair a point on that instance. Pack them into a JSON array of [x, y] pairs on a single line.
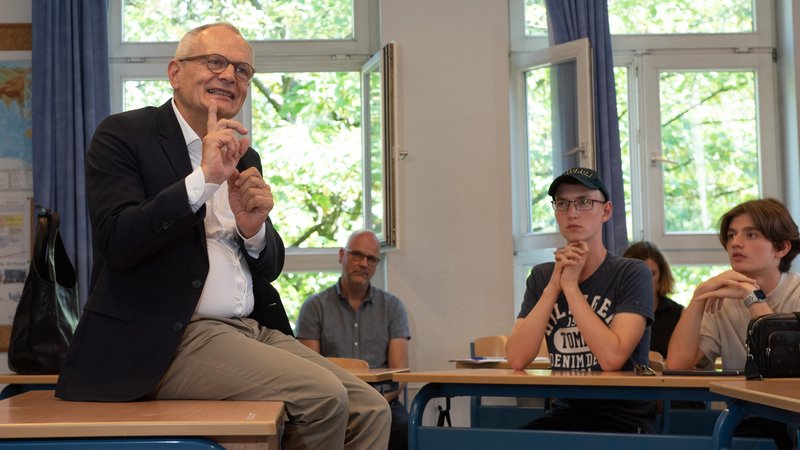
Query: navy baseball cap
[[587, 177]]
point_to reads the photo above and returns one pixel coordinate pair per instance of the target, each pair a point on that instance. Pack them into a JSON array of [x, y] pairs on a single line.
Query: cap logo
[[580, 171]]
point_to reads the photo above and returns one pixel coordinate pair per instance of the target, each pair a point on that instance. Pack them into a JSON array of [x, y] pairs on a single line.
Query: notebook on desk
[[704, 372], [478, 360]]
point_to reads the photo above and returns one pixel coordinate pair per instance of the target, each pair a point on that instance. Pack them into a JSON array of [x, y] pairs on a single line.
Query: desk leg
[[726, 424], [429, 391]]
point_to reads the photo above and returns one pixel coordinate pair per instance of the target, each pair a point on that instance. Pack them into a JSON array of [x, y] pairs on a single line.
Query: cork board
[[15, 36]]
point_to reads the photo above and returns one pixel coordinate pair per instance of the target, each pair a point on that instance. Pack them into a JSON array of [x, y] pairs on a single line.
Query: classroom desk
[[772, 398], [547, 383], [540, 362], [381, 379], [232, 424], [17, 384]]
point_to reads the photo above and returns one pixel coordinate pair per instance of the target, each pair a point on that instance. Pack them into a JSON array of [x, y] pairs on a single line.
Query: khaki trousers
[[236, 359]]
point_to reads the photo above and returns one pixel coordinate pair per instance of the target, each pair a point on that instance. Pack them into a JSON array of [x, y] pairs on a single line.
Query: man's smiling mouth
[[220, 92]]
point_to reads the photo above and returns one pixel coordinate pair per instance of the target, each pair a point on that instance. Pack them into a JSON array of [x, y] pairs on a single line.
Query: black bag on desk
[[773, 346], [49, 307]]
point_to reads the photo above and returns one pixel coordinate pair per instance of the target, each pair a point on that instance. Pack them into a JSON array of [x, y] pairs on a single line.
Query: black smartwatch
[[756, 296]]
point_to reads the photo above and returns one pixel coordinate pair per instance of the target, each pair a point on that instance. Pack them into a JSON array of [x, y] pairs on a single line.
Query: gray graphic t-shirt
[[618, 285]]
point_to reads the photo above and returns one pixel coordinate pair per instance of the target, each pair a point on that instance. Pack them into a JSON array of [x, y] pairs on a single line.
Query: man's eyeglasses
[[218, 63], [581, 204], [358, 257]]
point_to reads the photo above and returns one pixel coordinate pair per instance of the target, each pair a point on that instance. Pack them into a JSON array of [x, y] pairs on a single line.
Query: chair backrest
[[656, 361], [349, 363], [490, 346]]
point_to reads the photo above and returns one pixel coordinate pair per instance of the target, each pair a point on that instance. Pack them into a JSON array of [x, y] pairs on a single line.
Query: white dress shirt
[[228, 289]]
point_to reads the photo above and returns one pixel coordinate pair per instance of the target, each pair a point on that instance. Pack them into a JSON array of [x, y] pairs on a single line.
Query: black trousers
[[398, 438]]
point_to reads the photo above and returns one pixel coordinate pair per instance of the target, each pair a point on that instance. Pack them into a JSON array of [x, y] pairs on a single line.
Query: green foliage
[[296, 287], [307, 130], [687, 278], [258, 20], [680, 16], [709, 127], [535, 18], [141, 93], [661, 16], [540, 147]]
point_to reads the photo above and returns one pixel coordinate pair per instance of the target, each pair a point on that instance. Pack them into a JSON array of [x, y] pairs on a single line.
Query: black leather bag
[[49, 307], [773, 346]]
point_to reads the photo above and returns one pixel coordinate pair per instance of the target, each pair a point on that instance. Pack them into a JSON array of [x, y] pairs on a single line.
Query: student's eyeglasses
[[581, 204], [358, 257], [218, 63]]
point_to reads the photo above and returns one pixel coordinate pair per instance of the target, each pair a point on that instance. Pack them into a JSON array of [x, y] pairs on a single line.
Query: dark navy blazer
[[149, 259]]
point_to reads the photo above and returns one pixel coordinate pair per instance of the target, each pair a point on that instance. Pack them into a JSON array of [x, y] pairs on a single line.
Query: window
[[554, 132], [696, 101], [319, 114]]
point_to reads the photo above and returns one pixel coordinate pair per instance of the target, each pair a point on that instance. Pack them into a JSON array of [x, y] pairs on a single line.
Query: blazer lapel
[[173, 142]]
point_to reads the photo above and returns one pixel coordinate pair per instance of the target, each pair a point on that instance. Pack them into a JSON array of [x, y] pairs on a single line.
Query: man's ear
[[173, 72], [783, 249], [607, 208]]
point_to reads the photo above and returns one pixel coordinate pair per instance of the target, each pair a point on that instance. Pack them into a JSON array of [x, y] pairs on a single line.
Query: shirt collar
[[339, 291], [188, 133]]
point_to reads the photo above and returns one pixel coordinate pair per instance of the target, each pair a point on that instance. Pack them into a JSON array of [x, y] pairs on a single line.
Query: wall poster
[[16, 172]]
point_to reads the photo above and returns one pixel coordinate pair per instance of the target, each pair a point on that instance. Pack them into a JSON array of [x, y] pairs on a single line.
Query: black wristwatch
[[756, 296]]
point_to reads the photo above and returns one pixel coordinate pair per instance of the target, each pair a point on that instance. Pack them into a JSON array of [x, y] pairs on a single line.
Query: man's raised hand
[[222, 148]]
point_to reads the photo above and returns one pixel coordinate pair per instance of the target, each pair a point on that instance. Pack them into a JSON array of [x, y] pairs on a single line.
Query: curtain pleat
[[576, 19], [70, 97]]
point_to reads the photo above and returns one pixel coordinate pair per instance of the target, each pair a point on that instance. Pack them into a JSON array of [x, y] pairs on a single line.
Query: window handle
[[579, 149], [655, 159]]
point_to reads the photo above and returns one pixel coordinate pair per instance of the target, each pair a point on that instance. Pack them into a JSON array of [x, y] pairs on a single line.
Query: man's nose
[[228, 73]]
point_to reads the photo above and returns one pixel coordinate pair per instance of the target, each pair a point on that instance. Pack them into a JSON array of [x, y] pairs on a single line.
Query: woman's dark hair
[[648, 250]]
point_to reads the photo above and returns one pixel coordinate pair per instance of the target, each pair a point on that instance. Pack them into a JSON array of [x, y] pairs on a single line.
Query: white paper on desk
[[482, 360]]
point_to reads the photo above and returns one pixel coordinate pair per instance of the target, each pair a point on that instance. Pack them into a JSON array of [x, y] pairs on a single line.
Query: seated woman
[[667, 312]]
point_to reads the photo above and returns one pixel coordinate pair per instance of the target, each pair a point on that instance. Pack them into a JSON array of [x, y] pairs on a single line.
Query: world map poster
[[16, 182]]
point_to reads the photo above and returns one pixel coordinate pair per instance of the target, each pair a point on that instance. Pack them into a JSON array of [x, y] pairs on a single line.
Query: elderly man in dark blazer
[[180, 303]]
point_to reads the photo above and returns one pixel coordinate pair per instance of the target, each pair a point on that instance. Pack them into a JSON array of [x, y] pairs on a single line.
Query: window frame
[[751, 50], [148, 61], [652, 204], [364, 14], [579, 52]]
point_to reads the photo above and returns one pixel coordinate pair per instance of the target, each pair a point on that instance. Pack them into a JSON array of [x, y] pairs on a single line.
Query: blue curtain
[[576, 19], [70, 97]]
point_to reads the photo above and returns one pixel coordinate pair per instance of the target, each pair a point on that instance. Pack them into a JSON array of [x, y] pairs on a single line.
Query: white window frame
[[525, 242], [364, 12], [137, 61], [643, 54], [651, 168]]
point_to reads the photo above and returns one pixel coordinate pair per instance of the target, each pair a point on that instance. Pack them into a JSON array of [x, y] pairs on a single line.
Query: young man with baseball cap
[[593, 308]]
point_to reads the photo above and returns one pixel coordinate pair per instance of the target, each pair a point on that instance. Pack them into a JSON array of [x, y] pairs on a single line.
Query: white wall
[[454, 265], [15, 11]]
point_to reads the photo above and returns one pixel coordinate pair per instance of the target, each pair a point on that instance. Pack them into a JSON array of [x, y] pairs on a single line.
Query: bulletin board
[[16, 174]]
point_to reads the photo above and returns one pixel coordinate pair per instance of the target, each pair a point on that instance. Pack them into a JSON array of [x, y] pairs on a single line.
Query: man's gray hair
[[357, 233], [186, 44]]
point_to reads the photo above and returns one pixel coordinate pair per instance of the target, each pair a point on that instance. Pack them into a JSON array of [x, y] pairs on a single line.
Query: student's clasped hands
[[569, 263], [727, 285]]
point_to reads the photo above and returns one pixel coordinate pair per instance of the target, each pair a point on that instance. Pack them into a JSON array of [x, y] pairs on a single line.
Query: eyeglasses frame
[[228, 62], [575, 202], [359, 256]]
